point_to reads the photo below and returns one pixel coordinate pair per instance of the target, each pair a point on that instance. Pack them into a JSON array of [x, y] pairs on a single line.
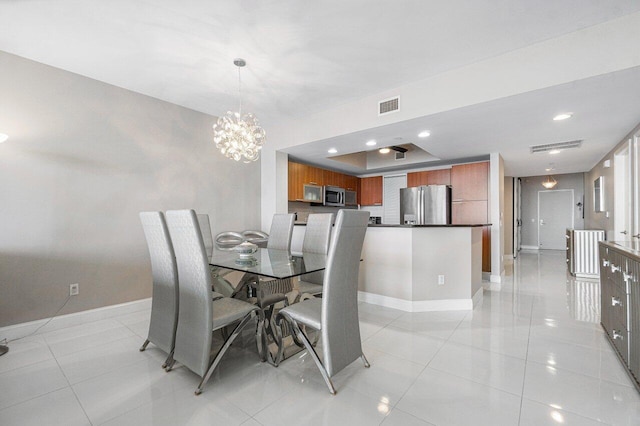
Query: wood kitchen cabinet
[[351, 183], [332, 178], [296, 181], [370, 193], [301, 174], [429, 177], [470, 194], [470, 181]]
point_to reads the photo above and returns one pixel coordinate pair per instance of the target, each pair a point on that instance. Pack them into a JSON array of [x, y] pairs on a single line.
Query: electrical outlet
[[74, 289], [440, 279]]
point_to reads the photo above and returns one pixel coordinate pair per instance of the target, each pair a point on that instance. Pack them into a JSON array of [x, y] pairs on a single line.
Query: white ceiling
[[605, 109], [305, 57]]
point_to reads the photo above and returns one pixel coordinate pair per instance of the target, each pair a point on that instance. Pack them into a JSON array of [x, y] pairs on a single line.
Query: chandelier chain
[[240, 91]]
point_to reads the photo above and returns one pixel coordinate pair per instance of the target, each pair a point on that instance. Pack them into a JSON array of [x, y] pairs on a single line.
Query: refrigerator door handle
[[420, 220]]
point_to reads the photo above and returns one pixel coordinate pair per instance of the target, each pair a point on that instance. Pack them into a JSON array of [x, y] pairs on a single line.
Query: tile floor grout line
[[71, 387], [524, 373], [422, 371]]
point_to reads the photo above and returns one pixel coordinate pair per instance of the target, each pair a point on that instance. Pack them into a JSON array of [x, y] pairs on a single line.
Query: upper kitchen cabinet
[[351, 183], [470, 181], [296, 181], [332, 178], [301, 174], [429, 177], [371, 191]]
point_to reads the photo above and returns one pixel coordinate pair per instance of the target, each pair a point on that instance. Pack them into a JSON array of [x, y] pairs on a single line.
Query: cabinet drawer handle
[[617, 335], [615, 301], [627, 277], [605, 262], [614, 268]]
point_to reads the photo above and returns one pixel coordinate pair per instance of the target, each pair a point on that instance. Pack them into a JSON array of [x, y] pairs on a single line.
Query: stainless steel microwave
[[333, 196]]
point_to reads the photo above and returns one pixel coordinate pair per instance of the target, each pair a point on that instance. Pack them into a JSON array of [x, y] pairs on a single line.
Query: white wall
[[82, 160], [599, 220]]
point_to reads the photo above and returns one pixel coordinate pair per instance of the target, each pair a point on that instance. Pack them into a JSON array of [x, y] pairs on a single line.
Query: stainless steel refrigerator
[[426, 205]]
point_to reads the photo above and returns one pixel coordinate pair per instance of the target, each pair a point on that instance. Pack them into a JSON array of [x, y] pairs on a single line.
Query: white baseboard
[[529, 247], [418, 305], [16, 331]]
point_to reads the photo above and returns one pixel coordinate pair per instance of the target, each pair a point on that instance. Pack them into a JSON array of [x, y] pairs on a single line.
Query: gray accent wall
[[82, 159], [529, 203]]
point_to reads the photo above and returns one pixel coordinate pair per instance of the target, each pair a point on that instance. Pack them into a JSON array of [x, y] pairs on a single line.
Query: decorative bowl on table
[[245, 250]]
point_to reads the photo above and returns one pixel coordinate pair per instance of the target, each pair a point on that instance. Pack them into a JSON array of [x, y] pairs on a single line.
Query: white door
[[555, 215], [636, 186], [391, 198], [517, 215], [622, 216]]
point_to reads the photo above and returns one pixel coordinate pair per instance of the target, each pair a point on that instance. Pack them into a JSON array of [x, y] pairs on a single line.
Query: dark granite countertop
[[474, 225], [632, 248]]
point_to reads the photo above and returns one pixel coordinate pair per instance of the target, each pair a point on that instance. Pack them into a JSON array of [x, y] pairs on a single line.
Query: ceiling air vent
[[553, 146], [387, 106], [400, 155]]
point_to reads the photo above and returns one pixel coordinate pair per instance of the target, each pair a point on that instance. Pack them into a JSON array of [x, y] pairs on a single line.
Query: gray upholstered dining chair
[[199, 314], [220, 284], [205, 230], [335, 316], [316, 240], [281, 232], [164, 303]]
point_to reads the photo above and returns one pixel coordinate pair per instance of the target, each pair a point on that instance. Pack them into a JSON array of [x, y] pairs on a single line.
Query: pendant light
[[239, 136], [550, 182]]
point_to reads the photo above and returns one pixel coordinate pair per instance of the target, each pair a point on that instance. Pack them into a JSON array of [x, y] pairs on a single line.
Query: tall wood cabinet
[[470, 195], [370, 191]]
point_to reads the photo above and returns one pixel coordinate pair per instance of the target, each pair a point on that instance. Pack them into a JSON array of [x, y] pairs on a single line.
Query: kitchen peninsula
[[419, 268]]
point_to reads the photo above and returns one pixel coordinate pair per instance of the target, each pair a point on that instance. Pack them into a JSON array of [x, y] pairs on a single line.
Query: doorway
[[517, 216], [555, 215], [622, 209]]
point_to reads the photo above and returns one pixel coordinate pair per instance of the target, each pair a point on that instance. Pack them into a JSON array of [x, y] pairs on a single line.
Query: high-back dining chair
[[336, 314], [164, 303], [220, 284], [205, 230], [199, 315], [281, 232], [316, 240]]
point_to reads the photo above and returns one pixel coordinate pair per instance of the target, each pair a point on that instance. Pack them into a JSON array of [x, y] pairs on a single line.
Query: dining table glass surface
[[278, 264]]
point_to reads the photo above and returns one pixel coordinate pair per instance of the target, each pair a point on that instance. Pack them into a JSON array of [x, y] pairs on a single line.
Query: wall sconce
[[550, 182]]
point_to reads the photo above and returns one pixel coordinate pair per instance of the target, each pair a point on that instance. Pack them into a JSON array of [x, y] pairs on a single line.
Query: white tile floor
[[531, 354]]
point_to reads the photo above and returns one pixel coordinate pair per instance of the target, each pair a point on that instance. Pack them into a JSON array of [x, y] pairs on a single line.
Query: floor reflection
[[583, 299]]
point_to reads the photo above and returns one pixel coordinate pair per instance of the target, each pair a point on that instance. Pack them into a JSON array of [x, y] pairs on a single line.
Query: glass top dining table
[[274, 264], [271, 263]]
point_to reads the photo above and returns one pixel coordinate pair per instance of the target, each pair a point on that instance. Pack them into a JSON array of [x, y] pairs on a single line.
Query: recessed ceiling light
[[384, 150], [554, 151], [562, 116], [332, 150], [424, 134], [3, 137], [371, 143]]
